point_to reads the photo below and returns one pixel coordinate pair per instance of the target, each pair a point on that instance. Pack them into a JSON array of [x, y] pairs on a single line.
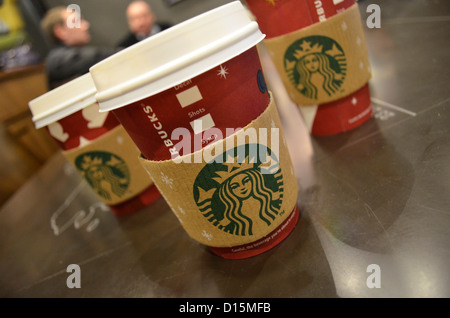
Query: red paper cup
[[169, 90], [71, 116], [279, 17], [226, 96]]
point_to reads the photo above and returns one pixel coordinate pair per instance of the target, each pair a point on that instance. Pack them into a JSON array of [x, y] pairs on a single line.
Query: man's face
[[140, 19], [71, 33]]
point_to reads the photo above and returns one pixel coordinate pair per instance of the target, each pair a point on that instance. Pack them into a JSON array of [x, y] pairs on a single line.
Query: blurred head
[[140, 18], [60, 26]]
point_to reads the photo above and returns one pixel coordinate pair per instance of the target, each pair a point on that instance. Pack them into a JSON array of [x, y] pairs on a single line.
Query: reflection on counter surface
[[375, 211]]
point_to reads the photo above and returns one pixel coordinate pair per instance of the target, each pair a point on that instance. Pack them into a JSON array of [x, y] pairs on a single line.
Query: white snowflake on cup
[[222, 72], [207, 235], [166, 180]]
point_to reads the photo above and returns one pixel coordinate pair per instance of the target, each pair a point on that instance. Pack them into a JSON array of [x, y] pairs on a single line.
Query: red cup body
[[280, 17], [69, 133], [76, 126], [344, 114], [230, 95]]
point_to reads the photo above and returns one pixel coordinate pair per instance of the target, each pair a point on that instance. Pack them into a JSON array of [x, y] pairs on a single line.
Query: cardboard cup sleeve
[[234, 191], [323, 62], [111, 167]]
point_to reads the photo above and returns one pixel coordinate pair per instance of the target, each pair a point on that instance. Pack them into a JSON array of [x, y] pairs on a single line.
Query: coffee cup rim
[[63, 101]]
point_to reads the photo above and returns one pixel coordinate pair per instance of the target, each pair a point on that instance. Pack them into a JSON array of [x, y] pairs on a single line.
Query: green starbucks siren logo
[[105, 172], [242, 186], [316, 66]]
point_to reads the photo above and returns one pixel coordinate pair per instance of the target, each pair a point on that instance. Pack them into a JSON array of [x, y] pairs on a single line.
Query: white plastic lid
[[174, 55], [63, 101]]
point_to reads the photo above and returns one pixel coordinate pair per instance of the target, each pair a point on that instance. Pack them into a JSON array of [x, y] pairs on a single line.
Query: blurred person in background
[[71, 55], [141, 23]]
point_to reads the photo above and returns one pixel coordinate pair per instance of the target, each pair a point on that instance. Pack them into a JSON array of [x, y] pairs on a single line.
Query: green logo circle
[[316, 66], [241, 186], [105, 172]]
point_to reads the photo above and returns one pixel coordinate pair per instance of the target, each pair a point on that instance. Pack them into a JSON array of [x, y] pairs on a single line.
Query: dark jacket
[[131, 38], [64, 63]]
